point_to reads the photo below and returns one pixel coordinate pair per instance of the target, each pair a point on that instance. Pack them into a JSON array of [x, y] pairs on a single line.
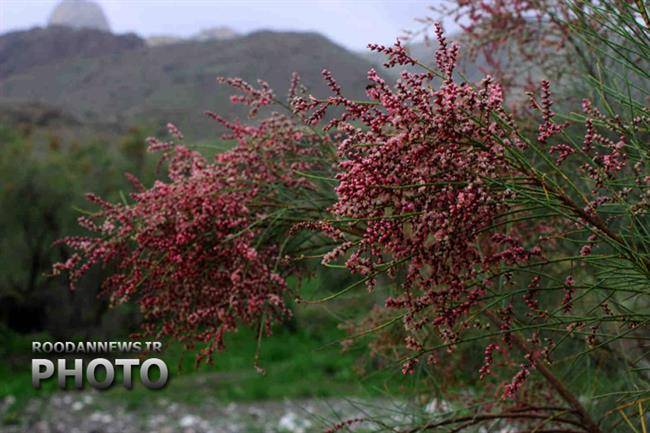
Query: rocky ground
[[93, 412]]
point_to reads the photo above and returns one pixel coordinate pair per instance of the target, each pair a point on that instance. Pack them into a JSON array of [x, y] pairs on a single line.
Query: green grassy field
[[301, 360]]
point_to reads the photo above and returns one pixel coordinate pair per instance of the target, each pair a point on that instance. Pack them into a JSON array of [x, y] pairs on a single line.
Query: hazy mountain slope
[[153, 85], [47, 124], [22, 50]]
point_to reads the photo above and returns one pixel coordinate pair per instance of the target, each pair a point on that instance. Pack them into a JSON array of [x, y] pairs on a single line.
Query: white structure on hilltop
[[79, 14], [221, 33]]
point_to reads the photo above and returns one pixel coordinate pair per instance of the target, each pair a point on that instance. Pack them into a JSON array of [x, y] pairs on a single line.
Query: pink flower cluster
[[193, 249], [414, 177]]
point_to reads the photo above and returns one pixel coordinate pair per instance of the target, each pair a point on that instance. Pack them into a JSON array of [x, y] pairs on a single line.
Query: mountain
[[151, 85], [219, 33], [24, 50], [45, 124], [157, 40]]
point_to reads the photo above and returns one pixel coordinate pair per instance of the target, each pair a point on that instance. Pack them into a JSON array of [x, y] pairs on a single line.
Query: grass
[[301, 360], [297, 364]]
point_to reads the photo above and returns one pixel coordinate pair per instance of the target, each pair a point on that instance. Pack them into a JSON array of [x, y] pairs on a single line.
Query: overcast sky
[[353, 23]]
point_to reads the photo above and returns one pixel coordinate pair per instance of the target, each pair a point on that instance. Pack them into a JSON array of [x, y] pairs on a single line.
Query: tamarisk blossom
[[416, 177], [192, 249], [429, 171]]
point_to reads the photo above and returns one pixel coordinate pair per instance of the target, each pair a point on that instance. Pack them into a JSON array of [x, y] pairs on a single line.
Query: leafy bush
[[40, 193]]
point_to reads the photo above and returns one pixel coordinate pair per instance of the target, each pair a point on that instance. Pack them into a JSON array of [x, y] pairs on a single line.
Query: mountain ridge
[[24, 49], [153, 85]]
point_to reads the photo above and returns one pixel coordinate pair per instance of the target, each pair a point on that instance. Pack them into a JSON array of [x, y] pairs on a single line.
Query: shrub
[[533, 242]]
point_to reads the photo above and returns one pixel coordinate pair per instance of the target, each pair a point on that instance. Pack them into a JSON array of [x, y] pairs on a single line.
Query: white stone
[[290, 422], [189, 421]]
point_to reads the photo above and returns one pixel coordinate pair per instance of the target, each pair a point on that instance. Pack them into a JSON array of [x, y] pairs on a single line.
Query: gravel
[[94, 412]]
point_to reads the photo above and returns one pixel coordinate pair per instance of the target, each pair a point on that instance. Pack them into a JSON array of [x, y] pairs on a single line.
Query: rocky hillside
[[23, 50], [99, 77]]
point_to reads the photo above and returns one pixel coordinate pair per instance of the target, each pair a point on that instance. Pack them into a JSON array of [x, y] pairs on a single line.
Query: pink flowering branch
[[200, 252]]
